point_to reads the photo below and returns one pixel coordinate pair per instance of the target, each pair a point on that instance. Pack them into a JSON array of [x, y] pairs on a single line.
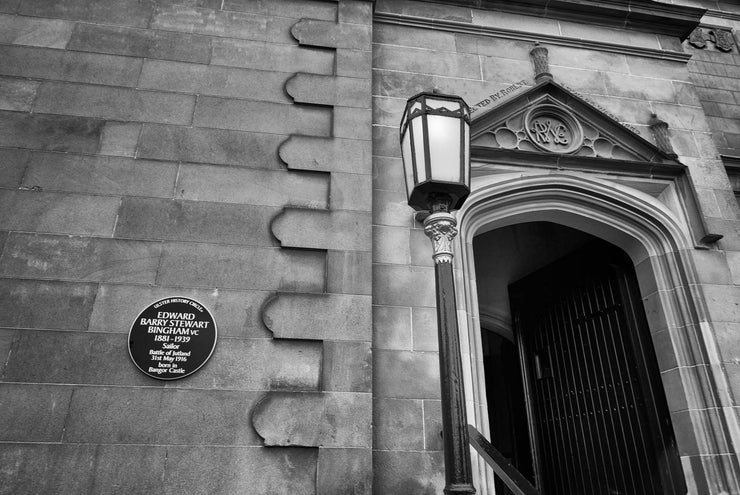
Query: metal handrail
[[513, 479]]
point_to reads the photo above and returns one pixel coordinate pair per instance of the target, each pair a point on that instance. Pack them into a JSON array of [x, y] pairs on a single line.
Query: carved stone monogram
[[553, 129], [550, 130], [722, 38]]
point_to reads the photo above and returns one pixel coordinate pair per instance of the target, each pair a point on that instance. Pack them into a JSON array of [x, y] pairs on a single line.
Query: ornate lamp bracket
[[441, 228]]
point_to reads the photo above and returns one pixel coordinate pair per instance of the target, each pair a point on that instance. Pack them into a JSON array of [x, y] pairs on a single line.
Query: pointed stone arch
[[659, 244]]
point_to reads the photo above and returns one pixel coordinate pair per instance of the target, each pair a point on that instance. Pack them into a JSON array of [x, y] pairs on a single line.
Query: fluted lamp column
[[435, 146]]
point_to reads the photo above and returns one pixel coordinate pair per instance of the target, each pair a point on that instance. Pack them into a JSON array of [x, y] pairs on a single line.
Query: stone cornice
[[642, 15], [468, 28]]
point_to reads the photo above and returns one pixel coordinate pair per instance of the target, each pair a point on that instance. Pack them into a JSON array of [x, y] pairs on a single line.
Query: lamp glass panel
[[446, 104], [466, 143], [408, 164], [444, 148], [418, 139]]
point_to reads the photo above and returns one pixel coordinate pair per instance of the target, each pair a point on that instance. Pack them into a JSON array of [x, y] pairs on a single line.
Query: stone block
[[71, 357], [329, 90], [17, 94], [177, 220], [408, 473], [100, 175], [385, 142], [675, 393], [29, 31], [351, 192], [433, 425], [517, 22], [312, 419], [723, 302], [355, 12], [238, 314], [229, 24], [234, 267], [388, 174], [12, 167], [258, 116], [711, 267], [287, 8], [260, 364], [50, 132], [608, 35], [270, 56], [664, 352], [46, 304], [398, 424], [33, 413], [315, 32], [349, 272], [119, 12], [592, 82], [79, 258], [402, 84], [60, 65], [641, 88], [248, 186], [421, 247], [422, 9], [391, 209], [347, 367], [142, 43], [344, 472], [114, 103], [581, 58], [398, 285], [387, 111], [424, 328], [215, 146], [32, 211], [148, 415], [391, 245], [412, 37], [319, 316], [392, 328], [119, 139], [318, 229], [99, 469], [681, 116], [405, 374], [354, 63], [325, 154], [9, 6], [459, 65], [212, 80], [658, 69], [686, 93], [200, 470]]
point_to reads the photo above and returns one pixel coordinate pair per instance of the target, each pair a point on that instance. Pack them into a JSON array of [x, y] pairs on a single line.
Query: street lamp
[[435, 147]]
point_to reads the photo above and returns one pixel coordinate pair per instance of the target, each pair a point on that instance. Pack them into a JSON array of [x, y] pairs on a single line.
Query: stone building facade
[[245, 154]]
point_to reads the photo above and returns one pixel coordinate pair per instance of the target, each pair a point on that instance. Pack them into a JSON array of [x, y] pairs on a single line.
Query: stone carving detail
[[539, 55], [722, 38], [441, 228], [662, 139], [553, 129]]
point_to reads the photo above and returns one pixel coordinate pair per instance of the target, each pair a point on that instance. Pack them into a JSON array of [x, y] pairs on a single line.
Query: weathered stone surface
[[608, 35], [119, 139], [157, 415], [237, 313], [63, 468], [385, 142], [121, 12], [140, 43], [413, 37], [388, 174], [79, 258], [345, 471], [46, 304], [345, 230], [286, 8], [398, 424], [419, 9], [271, 56], [29, 31], [33, 414], [351, 192], [405, 375], [314, 32], [178, 220], [349, 272], [451, 64], [32, 211], [259, 116], [329, 90], [398, 285], [352, 123], [17, 94], [347, 367], [209, 265], [637, 87], [215, 146], [408, 473], [391, 245], [12, 167], [62, 65], [424, 328], [319, 316], [209, 470], [391, 327], [100, 175], [433, 425], [212, 80], [50, 132], [248, 186], [114, 103], [223, 23], [326, 154], [354, 63], [312, 419]]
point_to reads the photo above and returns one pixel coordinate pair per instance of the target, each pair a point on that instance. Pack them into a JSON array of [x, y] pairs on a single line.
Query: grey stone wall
[[218, 150]]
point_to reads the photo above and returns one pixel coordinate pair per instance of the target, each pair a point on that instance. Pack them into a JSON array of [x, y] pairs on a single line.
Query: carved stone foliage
[[722, 38], [551, 128]]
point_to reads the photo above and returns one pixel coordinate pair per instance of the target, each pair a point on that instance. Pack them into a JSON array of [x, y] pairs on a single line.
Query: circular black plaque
[[172, 338]]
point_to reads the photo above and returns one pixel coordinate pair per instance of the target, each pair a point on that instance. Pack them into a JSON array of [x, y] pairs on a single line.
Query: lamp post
[[435, 145]]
